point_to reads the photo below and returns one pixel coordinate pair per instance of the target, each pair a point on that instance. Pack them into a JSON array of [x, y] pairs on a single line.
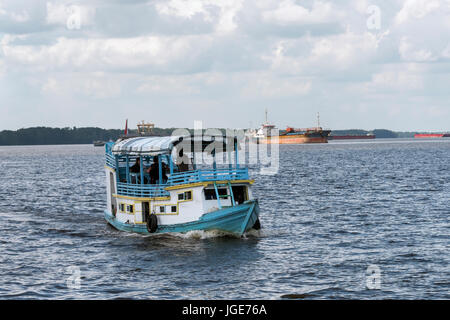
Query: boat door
[[145, 211]]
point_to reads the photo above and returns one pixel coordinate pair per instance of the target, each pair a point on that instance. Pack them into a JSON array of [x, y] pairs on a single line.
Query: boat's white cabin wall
[[187, 209], [111, 189], [250, 192]]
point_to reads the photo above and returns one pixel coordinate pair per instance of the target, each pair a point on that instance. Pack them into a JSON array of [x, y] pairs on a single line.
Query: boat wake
[[211, 234]]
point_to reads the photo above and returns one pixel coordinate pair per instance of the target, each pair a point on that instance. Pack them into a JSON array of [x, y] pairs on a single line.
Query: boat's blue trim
[[238, 220]]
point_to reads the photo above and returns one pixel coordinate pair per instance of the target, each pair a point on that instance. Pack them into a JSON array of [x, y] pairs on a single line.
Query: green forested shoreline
[[87, 135], [74, 135]]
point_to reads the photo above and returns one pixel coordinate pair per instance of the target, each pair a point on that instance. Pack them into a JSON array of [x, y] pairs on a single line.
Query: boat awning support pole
[[128, 169], [160, 169], [214, 162], [170, 164], [194, 162], [230, 163], [236, 154], [141, 162], [117, 168]]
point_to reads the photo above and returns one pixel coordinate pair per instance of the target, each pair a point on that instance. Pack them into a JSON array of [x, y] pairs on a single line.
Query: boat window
[[240, 194], [185, 196], [210, 194], [162, 209], [122, 207], [130, 208], [174, 209]]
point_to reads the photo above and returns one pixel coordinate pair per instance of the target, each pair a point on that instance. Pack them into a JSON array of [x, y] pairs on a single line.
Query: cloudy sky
[[361, 64]]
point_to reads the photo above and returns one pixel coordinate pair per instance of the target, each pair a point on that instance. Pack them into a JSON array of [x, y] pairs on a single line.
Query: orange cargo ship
[[265, 135], [432, 135]]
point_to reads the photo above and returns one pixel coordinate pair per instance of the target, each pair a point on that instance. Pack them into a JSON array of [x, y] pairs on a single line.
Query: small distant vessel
[[292, 135], [350, 137], [432, 135], [99, 143], [158, 194]]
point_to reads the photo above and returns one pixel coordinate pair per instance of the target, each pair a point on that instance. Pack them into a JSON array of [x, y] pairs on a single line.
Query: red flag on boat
[[126, 127]]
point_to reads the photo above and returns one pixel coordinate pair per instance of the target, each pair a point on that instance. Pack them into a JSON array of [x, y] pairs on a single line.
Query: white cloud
[[289, 12], [113, 53], [16, 16], [324, 55], [184, 84], [96, 85], [409, 53], [269, 86], [396, 81], [188, 9], [416, 9]]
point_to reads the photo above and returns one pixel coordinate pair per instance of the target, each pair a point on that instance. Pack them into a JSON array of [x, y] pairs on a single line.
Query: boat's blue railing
[[207, 175], [142, 191], [110, 161]]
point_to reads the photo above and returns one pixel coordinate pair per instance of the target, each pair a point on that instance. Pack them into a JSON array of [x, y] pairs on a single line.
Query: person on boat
[[136, 168], [183, 162], [153, 171]]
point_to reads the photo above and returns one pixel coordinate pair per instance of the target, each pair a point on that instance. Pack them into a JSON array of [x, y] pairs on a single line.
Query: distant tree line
[[87, 135], [74, 135], [45, 135], [379, 133]]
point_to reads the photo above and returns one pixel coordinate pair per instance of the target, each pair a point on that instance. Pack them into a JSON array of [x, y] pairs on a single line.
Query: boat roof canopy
[[164, 145]]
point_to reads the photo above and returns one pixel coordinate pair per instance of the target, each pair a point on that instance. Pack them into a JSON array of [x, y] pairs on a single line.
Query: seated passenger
[[136, 168], [153, 171], [184, 163]]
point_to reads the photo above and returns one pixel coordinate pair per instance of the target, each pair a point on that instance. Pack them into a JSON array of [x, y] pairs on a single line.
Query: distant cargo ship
[[432, 135], [99, 143], [349, 137], [291, 135]]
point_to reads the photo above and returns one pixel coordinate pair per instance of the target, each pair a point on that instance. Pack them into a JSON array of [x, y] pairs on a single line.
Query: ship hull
[[300, 138], [236, 220], [293, 140], [431, 135]]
